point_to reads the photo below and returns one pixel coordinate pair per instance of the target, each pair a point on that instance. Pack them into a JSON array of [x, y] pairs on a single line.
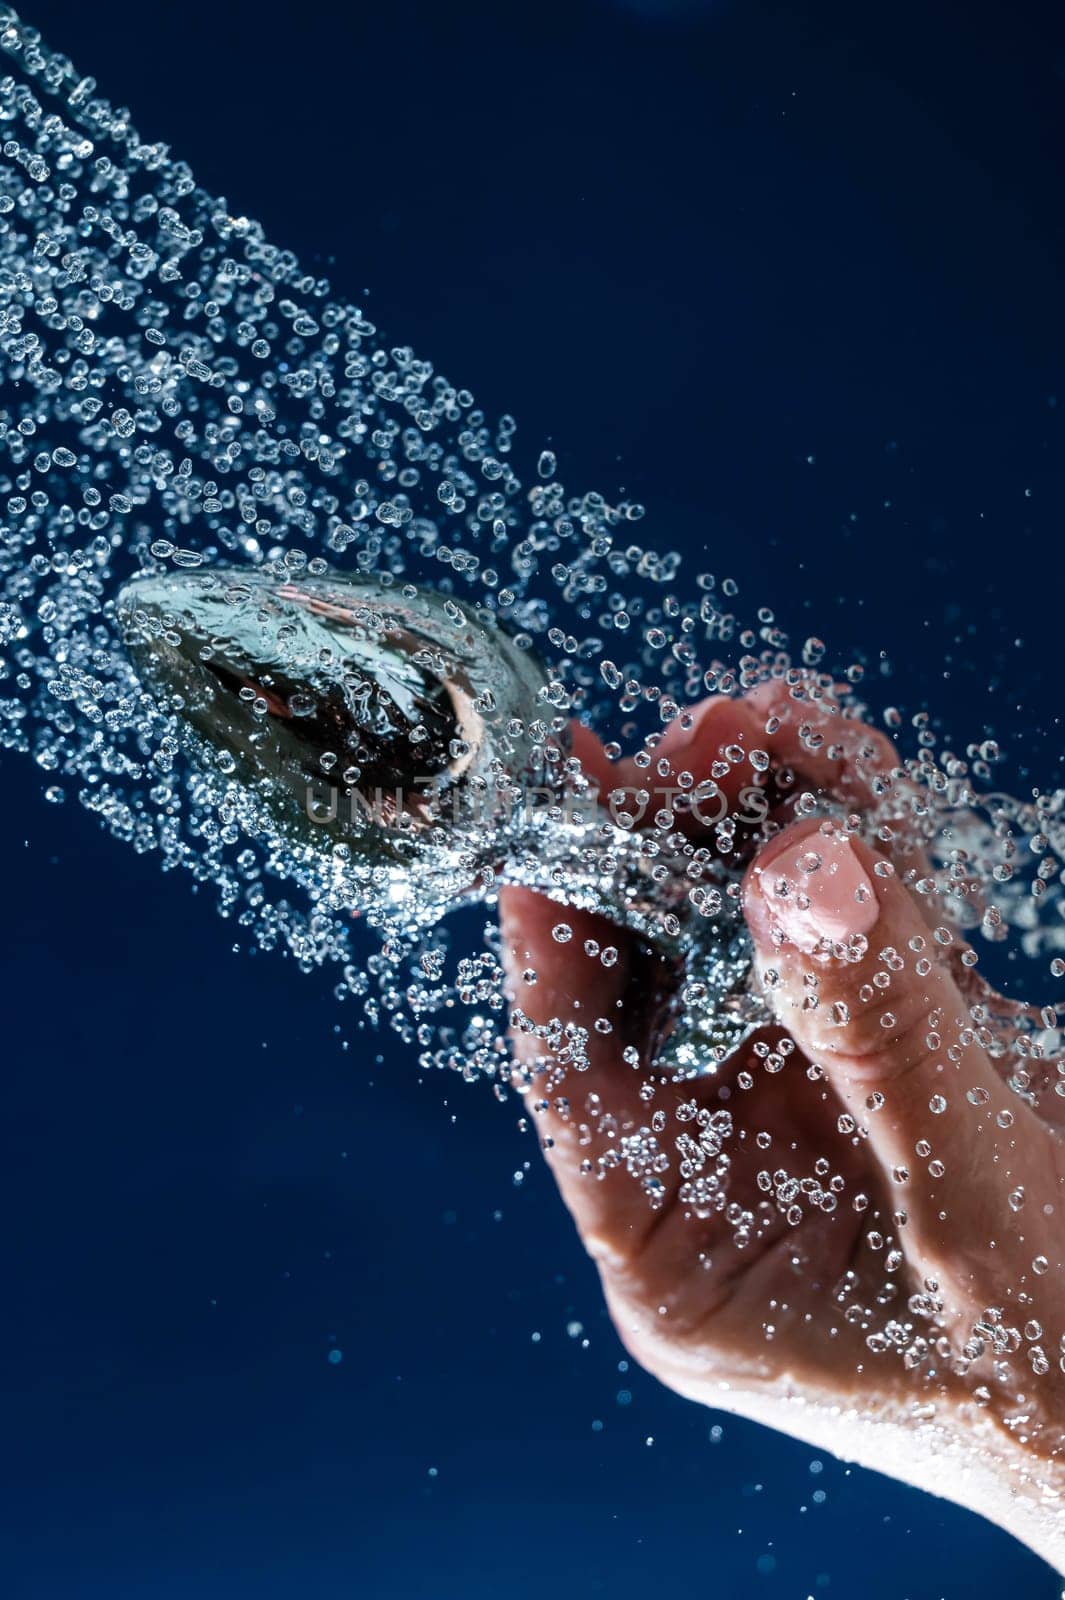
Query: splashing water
[[257, 566], [183, 396]]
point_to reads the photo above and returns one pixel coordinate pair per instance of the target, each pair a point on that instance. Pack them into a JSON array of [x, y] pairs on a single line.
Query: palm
[[823, 1234], [762, 1284], [757, 1287]]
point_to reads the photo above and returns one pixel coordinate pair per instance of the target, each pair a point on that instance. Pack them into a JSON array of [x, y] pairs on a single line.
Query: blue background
[[693, 245]]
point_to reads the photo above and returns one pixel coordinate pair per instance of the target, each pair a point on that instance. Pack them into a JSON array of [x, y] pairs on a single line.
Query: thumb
[[860, 980]]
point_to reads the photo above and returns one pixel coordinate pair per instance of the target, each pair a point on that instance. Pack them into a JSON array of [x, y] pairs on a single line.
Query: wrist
[[960, 1450], [1017, 1463]]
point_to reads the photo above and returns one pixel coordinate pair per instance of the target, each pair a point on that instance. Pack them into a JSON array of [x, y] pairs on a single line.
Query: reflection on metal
[[406, 751]]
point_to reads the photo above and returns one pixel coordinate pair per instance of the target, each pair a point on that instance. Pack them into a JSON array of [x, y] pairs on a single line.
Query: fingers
[[809, 731], [578, 1037], [577, 1033], [855, 973], [595, 762], [719, 759], [692, 776]]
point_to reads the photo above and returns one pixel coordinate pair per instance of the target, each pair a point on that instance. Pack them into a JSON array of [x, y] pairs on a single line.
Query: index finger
[[578, 1038]]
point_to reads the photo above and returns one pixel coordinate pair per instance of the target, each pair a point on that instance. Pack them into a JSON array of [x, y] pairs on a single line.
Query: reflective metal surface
[[404, 749]]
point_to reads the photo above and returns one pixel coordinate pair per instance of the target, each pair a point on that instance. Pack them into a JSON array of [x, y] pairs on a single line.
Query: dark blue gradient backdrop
[[791, 274]]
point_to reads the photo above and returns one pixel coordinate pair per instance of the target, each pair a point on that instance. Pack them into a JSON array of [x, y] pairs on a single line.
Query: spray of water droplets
[[181, 397]]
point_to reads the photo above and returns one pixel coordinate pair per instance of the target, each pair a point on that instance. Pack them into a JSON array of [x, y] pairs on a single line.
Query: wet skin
[[877, 1020]]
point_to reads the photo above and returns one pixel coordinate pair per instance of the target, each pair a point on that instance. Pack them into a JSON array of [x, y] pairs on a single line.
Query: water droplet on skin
[[196, 409]]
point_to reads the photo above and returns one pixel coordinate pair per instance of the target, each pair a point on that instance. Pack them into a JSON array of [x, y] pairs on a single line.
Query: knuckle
[[874, 1029]]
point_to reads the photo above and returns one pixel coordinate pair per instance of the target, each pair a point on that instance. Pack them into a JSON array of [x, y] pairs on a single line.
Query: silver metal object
[[406, 755]]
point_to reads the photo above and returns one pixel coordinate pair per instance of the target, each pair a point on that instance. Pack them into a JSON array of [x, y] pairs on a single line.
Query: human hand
[[856, 1230]]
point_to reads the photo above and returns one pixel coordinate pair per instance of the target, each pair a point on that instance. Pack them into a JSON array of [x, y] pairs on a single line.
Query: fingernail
[[817, 889]]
